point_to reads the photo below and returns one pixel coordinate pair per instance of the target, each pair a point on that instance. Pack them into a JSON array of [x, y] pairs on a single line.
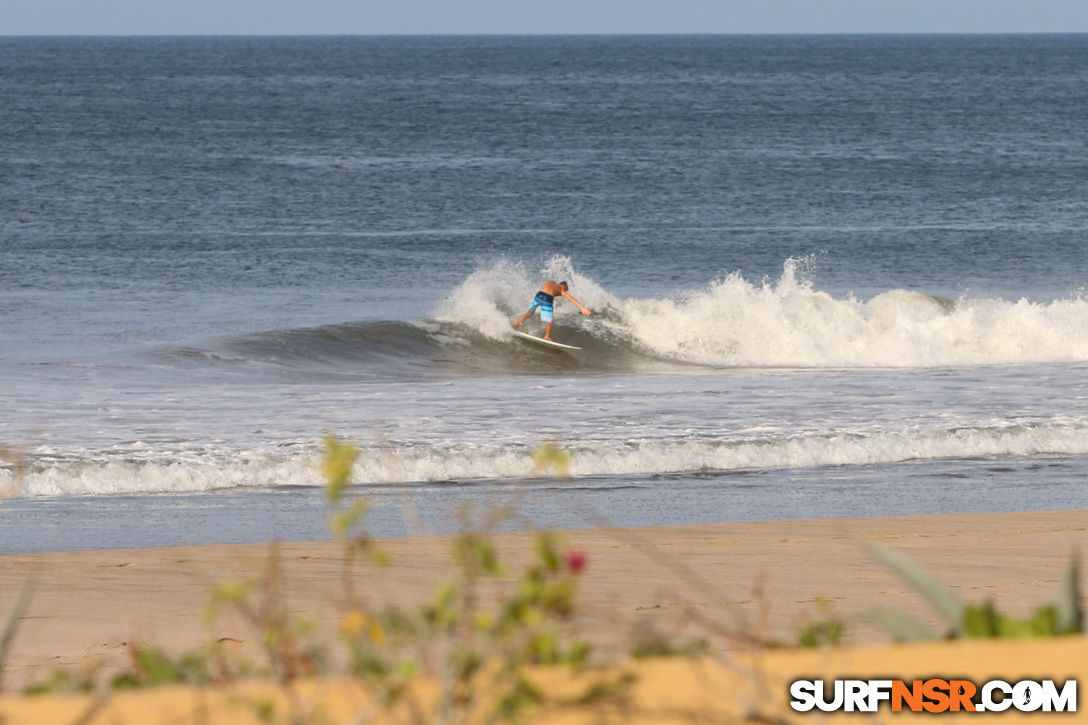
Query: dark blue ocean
[[829, 276]]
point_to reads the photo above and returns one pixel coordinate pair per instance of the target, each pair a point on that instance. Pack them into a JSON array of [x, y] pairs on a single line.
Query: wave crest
[[783, 323], [730, 323]]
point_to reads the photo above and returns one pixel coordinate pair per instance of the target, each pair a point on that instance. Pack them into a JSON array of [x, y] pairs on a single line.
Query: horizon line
[[961, 33]]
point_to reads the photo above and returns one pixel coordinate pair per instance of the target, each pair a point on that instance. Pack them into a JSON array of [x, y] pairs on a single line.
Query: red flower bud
[[576, 561]]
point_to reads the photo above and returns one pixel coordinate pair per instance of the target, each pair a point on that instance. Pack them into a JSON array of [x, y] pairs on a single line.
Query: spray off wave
[[784, 323]]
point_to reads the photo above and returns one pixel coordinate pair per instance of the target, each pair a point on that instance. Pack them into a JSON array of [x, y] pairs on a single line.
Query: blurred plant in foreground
[[1062, 615], [478, 637], [477, 647]]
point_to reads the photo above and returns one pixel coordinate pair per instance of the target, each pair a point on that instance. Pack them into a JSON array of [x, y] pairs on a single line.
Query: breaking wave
[[425, 464], [730, 323], [785, 323]]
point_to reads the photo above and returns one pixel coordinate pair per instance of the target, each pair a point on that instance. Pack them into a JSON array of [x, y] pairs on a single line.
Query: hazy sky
[[352, 17]]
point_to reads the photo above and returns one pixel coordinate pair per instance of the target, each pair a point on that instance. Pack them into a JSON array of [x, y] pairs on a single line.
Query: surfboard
[[542, 341]]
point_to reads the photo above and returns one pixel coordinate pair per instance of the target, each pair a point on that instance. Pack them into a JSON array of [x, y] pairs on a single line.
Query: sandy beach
[[725, 583]]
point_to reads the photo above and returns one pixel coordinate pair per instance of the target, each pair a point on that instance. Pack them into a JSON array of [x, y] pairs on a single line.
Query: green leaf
[[578, 653], [124, 681], [337, 465], [943, 599], [1041, 624], [547, 552], [1070, 617], [343, 521], [157, 667], [550, 457], [980, 622], [1046, 622], [900, 625], [489, 558], [15, 616], [821, 634]]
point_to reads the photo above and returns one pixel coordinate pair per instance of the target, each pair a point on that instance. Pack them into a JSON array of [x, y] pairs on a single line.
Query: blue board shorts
[[545, 302]]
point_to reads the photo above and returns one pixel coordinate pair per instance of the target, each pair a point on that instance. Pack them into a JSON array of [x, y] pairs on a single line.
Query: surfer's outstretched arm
[[585, 310]]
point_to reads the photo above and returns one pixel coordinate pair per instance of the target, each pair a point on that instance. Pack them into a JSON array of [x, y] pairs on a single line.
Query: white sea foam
[[734, 322], [82, 479], [476, 462]]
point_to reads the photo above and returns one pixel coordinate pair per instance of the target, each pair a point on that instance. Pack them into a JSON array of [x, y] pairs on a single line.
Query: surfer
[[545, 300]]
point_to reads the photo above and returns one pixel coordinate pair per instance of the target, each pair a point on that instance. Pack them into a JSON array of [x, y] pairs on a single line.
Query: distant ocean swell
[[390, 464], [731, 323]]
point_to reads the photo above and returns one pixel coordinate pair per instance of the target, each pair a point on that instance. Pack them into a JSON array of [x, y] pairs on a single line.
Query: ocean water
[[829, 275]]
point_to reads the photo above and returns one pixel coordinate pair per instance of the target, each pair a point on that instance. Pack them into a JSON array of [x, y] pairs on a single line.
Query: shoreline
[[30, 525], [768, 578]]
